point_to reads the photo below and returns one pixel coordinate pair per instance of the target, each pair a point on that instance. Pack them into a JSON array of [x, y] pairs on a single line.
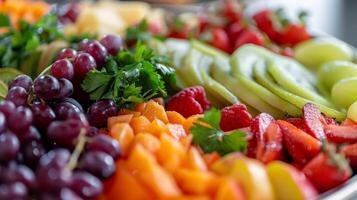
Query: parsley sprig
[[131, 77], [211, 138]]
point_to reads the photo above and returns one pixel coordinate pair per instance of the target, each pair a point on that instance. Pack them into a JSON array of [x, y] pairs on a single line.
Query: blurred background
[[334, 17]]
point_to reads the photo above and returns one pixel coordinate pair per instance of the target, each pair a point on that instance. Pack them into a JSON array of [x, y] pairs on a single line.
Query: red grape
[[64, 133], [112, 43], [104, 143], [9, 146], [62, 68], [66, 88], [46, 87], [13, 191], [19, 173], [22, 81], [43, 114], [83, 63], [32, 153], [30, 135], [67, 53], [99, 112], [97, 163], [7, 107], [2, 122], [17, 95], [98, 52], [86, 185], [21, 120]]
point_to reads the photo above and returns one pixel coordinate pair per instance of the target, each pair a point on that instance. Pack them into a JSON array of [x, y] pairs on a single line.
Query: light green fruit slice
[[207, 49], [344, 92], [3, 90], [239, 89], [352, 112], [331, 72], [314, 52], [263, 78], [8, 74], [296, 79]]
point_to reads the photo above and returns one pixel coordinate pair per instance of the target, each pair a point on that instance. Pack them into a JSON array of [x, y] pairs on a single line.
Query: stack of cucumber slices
[[262, 79]]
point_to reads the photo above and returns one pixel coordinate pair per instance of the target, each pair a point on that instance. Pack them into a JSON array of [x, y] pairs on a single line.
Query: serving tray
[[346, 191]]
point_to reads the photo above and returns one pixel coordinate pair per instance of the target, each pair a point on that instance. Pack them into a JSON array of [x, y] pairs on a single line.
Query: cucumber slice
[[8, 74], [238, 88], [296, 79], [263, 78]]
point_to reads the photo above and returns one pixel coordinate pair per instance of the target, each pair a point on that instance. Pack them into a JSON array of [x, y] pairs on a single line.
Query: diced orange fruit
[[142, 165], [119, 119], [175, 117], [195, 161], [176, 130], [171, 153], [140, 124], [192, 197], [153, 110], [124, 134], [157, 127], [148, 141], [128, 112], [229, 189], [131, 188]]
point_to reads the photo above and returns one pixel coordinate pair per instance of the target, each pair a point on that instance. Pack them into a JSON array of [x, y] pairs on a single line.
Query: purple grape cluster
[[49, 147]]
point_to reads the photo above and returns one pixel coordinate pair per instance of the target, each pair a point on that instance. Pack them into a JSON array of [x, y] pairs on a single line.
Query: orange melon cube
[[175, 117], [229, 189], [171, 153], [176, 131], [139, 124], [195, 161], [192, 197], [148, 141], [186, 141], [142, 165], [119, 119], [125, 111], [140, 107], [153, 110], [126, 187], [159, 100], [157, 128], [211, 158], [196, 182], [124, 134]]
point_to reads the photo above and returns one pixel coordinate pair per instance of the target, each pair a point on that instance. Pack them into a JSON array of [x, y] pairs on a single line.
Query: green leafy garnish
[[212, 139], [131, 78]]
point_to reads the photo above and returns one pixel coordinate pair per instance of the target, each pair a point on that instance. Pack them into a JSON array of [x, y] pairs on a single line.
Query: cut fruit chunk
[[344, 92], [316, 51], [208, 50], [263, 78], [352, 112], [332, 72], [289, 183], [297, 80], [237, 87]]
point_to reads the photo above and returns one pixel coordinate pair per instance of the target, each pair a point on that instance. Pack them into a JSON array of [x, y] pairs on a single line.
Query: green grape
[[352, 112], [344, 92], [314, 52], [331, 72]]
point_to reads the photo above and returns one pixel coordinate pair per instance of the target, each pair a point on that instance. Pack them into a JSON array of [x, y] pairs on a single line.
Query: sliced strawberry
[[350, 151], [312, 118], [300, 145], [235, 117], [252, 145], [326, 173], [348, 122], [220, 40], [327, 120], [264, 22], [234, 30], [258, 126], [231, 11], [271, 147], [341, 134], [294, 34], [249, 36], [298, 122]]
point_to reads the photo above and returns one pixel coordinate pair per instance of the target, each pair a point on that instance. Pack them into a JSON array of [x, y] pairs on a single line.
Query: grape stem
[[82, 139]]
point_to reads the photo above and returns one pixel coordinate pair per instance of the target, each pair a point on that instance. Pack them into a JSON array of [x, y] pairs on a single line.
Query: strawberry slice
[[300, 123], [271, 147], [258, 126], [301, 146], [341, 134], [350, 151], [348, 122], [312, 119], [327, 170], [235, 117]]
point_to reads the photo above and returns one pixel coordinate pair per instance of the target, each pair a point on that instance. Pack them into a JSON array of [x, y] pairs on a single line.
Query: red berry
[[264, 22], [249, 36], [294, 34], [220, 40], [186, 106], [235, 117], [189, 101], [234, 30]]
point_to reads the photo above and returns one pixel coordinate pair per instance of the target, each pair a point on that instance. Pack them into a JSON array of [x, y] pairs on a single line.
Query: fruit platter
[[111, 100]]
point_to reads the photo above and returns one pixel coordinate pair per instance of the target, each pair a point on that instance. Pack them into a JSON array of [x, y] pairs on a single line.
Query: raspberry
[[186, 106], [235, 117], [190, 101]]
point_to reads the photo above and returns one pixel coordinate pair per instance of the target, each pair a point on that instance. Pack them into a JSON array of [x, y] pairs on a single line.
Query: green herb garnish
[[131, 78], [212, 139]]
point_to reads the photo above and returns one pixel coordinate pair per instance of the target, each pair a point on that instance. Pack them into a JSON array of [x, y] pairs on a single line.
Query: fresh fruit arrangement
[[212, 105]]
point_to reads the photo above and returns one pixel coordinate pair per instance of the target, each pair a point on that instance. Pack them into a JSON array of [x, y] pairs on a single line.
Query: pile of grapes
[[49, 147]]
